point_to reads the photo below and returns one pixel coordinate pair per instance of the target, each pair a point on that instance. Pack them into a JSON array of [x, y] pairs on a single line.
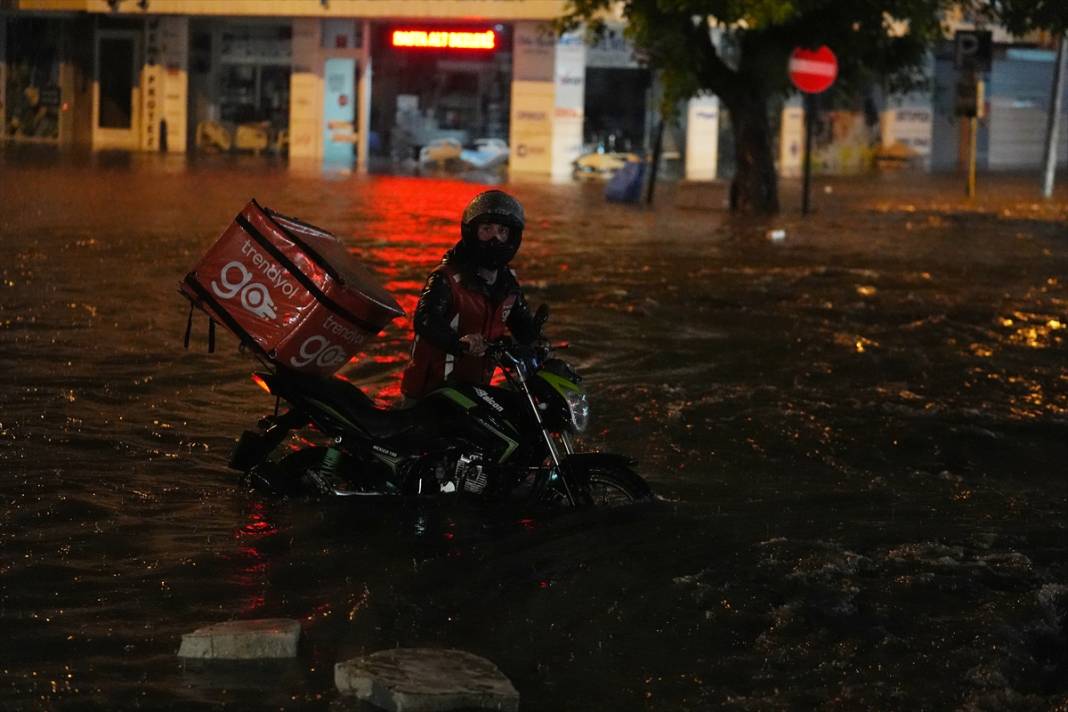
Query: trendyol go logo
[[254, 295], [319, 350]]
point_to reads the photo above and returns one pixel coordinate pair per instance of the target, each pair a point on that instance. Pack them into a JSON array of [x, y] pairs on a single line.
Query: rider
[[469, 300]]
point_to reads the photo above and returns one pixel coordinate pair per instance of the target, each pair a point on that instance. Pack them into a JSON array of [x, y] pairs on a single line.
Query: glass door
[[116, 109]]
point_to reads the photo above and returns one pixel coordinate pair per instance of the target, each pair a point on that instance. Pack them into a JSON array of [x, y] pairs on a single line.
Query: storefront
[[239, 85], [440, 92], [31, 99], [617, 103]]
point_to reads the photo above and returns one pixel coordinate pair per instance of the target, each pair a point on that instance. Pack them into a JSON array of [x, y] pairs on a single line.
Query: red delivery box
[[290, 291]]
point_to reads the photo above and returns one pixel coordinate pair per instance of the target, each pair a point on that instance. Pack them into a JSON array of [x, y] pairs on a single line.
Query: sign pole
[[806, 158], [973, 129], [812, 72], [1053, 124]]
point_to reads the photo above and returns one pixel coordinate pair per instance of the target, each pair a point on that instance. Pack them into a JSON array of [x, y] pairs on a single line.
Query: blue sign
[[339, 111]]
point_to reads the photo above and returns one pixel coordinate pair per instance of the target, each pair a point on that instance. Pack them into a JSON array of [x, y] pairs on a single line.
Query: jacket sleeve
[[521, 321], [431, 320]]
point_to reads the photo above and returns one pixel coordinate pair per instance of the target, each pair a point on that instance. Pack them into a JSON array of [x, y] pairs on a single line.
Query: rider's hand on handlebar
[[474, 344]]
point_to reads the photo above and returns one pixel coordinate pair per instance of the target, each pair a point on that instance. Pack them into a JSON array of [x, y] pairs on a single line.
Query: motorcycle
[[486, 441]]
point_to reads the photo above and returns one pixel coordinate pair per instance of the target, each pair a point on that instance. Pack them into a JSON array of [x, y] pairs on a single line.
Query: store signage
[[444, 39]]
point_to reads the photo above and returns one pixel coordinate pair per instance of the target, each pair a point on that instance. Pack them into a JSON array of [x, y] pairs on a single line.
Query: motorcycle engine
[[470, 473]]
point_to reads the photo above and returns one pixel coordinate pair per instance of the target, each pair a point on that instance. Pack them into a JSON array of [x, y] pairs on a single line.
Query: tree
[[1022, 16], [875, 40]]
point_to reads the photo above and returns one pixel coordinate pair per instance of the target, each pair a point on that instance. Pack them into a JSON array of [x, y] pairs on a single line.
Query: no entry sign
[[813, 71]]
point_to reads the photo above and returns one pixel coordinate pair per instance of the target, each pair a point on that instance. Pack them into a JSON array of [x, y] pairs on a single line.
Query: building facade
[[332, 80]]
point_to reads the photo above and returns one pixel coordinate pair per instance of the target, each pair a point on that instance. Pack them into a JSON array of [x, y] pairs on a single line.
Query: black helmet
[[492, 206]]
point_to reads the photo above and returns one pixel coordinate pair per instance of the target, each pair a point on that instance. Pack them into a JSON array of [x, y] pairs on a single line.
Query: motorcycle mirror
[[541, 316]]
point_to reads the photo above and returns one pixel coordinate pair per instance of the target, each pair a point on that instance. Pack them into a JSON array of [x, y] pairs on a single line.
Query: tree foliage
[[882, 40], [1022, 16]]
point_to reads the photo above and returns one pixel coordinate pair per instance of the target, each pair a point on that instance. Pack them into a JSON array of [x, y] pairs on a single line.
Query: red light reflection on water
[[252, 565], [406, 226]]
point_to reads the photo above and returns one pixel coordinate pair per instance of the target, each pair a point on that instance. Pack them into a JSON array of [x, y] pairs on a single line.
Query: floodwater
[[858, 433]]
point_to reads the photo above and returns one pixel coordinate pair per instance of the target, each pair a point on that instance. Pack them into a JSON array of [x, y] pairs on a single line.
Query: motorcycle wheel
[[598, 486], [616, 486]]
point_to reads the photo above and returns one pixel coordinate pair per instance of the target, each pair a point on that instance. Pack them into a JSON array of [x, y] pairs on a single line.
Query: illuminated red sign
[[444, 39]]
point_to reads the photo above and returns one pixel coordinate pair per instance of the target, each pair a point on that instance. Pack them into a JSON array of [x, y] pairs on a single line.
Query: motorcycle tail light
[[262, 383]]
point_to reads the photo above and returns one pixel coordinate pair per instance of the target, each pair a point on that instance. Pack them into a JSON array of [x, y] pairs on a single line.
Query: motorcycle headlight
[[578, 403]]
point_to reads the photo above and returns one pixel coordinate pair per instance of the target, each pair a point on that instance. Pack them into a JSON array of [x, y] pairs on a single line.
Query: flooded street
[[858, 434]]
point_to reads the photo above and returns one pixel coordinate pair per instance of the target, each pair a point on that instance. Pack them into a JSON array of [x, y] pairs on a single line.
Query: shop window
[[32, 87], [239, 85]]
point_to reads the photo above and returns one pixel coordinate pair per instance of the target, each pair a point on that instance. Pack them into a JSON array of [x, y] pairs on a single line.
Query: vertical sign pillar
[[363, 90], [702, 138], [339, 110], [306, 91], [533, 65], [548, 95], [151, 86], [174, 35], [569, 96]]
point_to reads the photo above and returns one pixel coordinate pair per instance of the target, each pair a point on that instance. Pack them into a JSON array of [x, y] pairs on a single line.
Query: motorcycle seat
[[356, 406]]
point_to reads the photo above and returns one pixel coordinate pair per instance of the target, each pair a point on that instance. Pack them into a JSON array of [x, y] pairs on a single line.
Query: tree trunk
[[755, 188]]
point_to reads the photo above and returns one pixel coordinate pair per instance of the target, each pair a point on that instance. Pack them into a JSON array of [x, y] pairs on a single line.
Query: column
[[152, 86], [569, 101], [791, 139], [548, 92], [363, 91], [702, 138], [174, 37], [306, 91]]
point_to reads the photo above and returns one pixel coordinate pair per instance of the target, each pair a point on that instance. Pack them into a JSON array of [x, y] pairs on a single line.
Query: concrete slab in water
[[243, 640], [426, 680]]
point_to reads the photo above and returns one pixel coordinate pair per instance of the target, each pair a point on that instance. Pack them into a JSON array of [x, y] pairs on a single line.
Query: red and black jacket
[[456, 302]]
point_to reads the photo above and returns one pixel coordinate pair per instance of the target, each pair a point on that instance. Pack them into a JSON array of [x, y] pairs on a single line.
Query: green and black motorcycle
[[483, 441]]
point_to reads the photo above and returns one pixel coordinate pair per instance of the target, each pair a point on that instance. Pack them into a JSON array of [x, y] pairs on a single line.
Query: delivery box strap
[[305, 247], [304, 280], [189, 329], [205, 296]]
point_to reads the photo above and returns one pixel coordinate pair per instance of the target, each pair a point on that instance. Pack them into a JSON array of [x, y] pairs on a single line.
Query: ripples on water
[[859, 434]]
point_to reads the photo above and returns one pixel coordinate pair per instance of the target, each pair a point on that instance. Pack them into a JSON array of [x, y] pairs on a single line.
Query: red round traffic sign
[[813, 71]]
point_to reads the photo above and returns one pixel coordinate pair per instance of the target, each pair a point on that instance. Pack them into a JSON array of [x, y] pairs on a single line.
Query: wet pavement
[[858, 432]]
